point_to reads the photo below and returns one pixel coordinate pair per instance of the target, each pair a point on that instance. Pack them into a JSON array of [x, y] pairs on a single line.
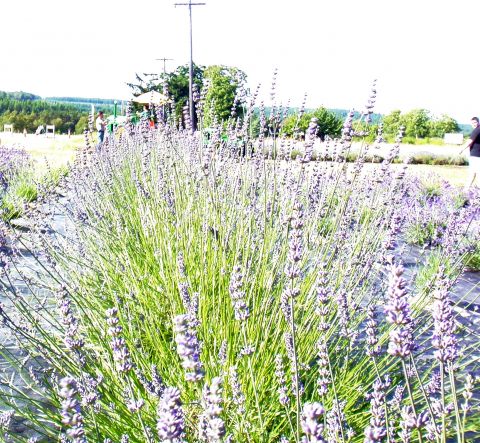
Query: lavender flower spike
[[237, 294], [376, 431], [211, 425], [170, 424], [188, 348], [71, 413], [397, 311], [443, 338], [311, 425]]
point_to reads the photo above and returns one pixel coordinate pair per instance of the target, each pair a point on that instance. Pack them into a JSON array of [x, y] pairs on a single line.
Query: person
[[473, 143], [145, 112], [100, 124]]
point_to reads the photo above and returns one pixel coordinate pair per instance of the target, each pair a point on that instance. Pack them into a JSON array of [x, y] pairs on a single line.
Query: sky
[[423, 54]]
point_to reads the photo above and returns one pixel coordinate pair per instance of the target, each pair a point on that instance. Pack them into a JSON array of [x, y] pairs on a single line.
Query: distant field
[[57, 151]]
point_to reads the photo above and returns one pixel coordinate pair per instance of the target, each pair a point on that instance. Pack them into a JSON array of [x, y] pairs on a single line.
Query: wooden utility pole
[[164, 60], [190, 71], [164, 114]]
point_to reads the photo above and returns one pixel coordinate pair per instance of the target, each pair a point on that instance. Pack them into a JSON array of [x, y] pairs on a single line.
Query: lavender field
[[191, 288]]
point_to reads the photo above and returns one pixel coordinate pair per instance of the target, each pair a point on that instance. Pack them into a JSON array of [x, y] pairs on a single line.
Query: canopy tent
[[153, 97]]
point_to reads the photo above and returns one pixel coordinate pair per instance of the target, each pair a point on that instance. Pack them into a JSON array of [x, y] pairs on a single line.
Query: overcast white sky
[[424, 54]]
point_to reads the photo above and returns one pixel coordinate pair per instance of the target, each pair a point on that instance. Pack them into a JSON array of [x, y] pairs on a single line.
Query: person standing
[[100, 124], [473, 143]]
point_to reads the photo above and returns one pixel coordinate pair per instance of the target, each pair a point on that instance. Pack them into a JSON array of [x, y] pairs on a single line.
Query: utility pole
[[190, 71], [164, 60], [164, 114]]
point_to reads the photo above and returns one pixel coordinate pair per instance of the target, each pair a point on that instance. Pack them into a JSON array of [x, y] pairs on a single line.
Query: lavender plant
[[267, 294]]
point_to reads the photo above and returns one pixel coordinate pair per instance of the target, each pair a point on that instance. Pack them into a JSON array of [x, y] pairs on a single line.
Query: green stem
[[252, 377], [442, 389], [430, 410], [455, 402], [295, 368], [410, 395]]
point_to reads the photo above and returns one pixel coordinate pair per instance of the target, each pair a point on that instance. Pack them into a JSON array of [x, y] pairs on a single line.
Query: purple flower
[[237, 395], [188, 347], [283, 397], [443, 338], [323, 368], [237, 295], [120, 352], [372, 332], [211, 425], [397, 312], [376, 430], [170, 423], [71, 412], [311, 423]]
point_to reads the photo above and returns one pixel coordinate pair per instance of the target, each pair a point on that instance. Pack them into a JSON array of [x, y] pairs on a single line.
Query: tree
[[221, 98], [224, 83], [439, 127], [328, 123], [392, 123], [416, 123], [177, 83]]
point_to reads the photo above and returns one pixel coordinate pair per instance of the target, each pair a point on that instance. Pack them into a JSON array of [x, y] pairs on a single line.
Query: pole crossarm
[[164, 59]]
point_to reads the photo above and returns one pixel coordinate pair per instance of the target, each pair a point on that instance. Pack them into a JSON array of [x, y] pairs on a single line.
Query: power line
[[190, 71]]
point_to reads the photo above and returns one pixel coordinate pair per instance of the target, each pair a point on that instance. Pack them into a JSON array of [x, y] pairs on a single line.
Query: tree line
[[226, 94], [220, 94], [26, 111]]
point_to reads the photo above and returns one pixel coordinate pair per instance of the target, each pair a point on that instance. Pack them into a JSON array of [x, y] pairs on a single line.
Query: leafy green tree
[[328, 123], [220, 99], [417, 123], [224, 83], [178, 85], [392, 123], [445, 124], [81, 124]]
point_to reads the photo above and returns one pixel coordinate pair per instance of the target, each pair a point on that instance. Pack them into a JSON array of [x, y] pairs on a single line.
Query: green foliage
[[176, 83], [418, 125], [224, 82], [29, 114], [24, 187], [443, 125], [472, 258], [82, 123], [21, 189], [392, 123], [429, 270], [18, 96], [426, 158], [328, 124]]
